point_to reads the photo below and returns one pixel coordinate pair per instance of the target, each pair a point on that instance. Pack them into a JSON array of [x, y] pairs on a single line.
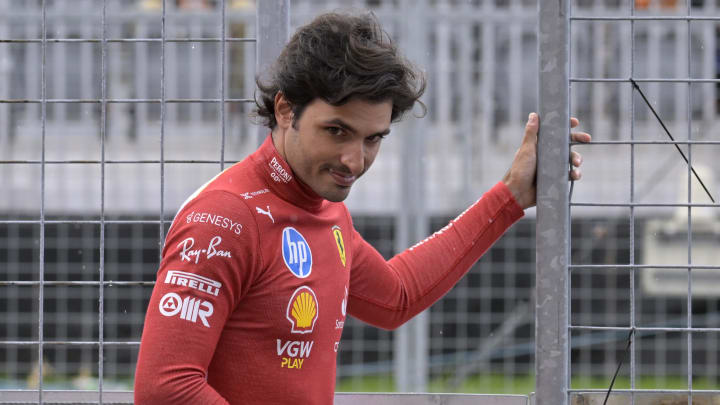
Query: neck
[[278, 138]]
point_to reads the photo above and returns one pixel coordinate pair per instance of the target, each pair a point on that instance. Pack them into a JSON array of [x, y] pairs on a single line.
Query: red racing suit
[[258, 273]]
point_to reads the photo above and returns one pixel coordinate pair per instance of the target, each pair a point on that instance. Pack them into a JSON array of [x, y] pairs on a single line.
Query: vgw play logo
[[296, 253]]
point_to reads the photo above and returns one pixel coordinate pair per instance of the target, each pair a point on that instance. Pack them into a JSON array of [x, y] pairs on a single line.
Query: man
[[262, 264]]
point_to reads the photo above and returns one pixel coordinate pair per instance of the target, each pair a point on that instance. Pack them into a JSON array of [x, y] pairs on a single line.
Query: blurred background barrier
[[80, 397], [127, 106]]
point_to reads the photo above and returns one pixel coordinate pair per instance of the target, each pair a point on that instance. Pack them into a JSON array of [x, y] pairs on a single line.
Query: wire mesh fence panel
[[99, 100], [649, 303], [112, 112]]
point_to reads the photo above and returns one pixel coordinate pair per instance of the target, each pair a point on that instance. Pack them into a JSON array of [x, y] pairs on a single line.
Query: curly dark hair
[[337, 57]]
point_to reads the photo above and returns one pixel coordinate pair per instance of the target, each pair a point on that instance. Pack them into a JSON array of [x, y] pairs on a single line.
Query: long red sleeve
[[208, 262], [388, 294]]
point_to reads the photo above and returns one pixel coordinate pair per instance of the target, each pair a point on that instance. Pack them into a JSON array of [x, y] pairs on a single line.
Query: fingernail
[[532, 117]]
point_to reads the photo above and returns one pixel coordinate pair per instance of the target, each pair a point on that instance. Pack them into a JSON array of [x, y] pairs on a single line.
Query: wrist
[[516, 193]]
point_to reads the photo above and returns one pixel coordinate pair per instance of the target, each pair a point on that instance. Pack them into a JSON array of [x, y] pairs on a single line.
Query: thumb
[[531, 128]]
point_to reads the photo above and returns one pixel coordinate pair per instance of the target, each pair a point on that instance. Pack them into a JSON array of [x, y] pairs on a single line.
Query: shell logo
[[302, 310]]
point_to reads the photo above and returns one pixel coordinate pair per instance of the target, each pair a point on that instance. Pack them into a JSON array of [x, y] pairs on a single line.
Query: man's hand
[[521, 179]]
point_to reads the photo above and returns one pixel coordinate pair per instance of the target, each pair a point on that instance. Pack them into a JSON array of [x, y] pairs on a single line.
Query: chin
[[336, 198], [336, 195]]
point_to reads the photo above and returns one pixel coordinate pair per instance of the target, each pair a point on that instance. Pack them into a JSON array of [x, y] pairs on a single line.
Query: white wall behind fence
[[480, 59]]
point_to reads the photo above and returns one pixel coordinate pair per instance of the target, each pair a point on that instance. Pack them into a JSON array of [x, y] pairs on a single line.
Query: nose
[[353, 157]]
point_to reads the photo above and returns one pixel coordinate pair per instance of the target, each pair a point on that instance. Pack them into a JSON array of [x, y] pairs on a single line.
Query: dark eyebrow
[[349, 128]]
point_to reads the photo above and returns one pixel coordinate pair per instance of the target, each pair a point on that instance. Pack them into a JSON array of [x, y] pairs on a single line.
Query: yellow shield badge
[[340, 244]]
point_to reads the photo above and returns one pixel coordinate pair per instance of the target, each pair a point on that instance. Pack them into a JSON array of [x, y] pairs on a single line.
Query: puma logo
[[262, 211]]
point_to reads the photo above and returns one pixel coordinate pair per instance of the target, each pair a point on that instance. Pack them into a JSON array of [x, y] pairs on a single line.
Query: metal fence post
[[552, 286], [411, 343], [7, 64], [272, 32]]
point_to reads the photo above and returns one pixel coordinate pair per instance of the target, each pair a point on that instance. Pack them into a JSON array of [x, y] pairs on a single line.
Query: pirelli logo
[[193, 281]]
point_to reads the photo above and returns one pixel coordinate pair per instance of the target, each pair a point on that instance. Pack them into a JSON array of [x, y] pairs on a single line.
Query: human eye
[[376, 138], [334, 130]]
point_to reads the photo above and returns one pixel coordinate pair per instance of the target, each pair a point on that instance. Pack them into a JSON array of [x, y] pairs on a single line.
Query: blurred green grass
[[523, 384], [479, 384]]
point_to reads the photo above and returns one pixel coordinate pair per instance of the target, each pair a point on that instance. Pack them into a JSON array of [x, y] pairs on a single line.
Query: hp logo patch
[[296, 253]]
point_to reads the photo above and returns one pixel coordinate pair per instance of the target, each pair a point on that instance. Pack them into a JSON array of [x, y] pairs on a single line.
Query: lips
[[342, 179]]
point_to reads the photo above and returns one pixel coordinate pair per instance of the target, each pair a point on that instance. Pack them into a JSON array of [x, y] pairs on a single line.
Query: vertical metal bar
[[141, 80], [680, 65], [103, 127], [121, 118], [551, 316], [162, 128], [443, 65], [625, 97], [442, 87], [273, 31], [273, 28], [5, 80], [689, 237], [515, 54], [59, 65], [222, 85], [708, 69], [196, 69], [31, 64], [598, 32], [411, 340], [86, 58], [173, 53], [249, 70], [487, 84], [632, 208], [577, 69], [654, 52], [467, 92], [568, 238], [41, 276]]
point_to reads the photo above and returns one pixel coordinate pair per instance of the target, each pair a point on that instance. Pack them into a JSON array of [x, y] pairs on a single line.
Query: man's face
[[330, 147]]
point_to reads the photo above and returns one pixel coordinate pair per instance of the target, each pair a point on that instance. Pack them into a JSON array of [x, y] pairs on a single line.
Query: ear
[[283, 111]]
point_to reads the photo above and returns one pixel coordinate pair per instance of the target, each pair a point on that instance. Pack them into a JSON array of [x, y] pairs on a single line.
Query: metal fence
[[112, 112], [677, 257]]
